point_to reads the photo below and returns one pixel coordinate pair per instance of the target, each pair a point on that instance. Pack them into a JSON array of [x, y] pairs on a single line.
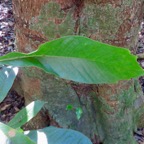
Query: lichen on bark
[[53, 22], [115, 114]]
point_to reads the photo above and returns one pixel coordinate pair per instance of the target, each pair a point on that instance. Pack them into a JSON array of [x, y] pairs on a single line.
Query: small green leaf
[[69, 107], [7, 77], [79, 112], [26, 114], [9, 135], [53, 135]]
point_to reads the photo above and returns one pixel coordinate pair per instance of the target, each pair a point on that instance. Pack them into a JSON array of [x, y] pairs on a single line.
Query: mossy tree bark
[[108, 109]]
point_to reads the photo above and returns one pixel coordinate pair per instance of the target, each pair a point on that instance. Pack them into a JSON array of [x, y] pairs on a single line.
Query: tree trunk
[[108, 110]]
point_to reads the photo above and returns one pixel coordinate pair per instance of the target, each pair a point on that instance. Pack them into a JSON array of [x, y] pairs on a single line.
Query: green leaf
[[12, 136], [49, 135], [53, 135], [79, 112], [80, 59], [26, 114], [7, 77], [69, 107]]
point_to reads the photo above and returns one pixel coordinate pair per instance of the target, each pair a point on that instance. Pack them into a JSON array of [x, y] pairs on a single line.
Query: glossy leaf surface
[[80, 59], [7, 77], [48, 135], [12, 136], [26, 114], [53, 135]]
